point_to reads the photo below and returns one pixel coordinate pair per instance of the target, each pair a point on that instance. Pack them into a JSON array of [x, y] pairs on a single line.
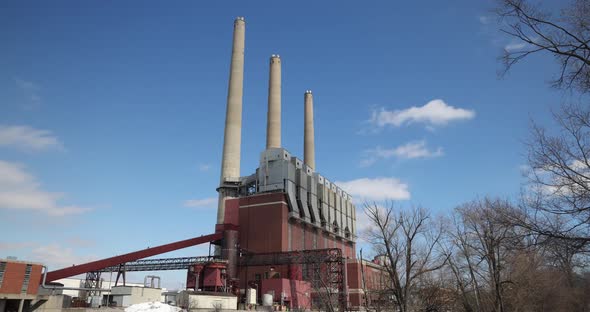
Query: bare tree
[[497, 266], [324, 288], [538, 283], [566, 37], [487, 241], [434, 294], [407, 238], [555, 207], [326, 295], [462, 262], [556, 204]]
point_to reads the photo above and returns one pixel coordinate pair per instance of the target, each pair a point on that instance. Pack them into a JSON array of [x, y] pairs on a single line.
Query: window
[[2, 269], [27, 278]]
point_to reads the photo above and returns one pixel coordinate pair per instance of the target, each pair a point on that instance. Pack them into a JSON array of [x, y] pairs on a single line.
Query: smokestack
[[308, 136], [273, 126], [232, 139]]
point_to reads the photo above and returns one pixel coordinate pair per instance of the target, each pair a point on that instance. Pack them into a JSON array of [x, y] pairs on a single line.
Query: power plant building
[[284, 234], [286, 206]]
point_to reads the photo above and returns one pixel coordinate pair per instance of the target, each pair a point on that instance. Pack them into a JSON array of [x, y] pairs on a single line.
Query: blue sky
[[111, 113]]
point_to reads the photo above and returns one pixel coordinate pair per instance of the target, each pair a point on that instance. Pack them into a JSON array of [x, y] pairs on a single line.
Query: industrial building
[[285, 234], [19, 283], [73, 287], [285, 221], [71, 293]]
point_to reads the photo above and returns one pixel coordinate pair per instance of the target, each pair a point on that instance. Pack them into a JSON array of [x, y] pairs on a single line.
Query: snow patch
[[151, 307]]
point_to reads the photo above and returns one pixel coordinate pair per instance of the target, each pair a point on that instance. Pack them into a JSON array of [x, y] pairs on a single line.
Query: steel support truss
[[182, 263], [161, 264], [92, 281], [325, 269]]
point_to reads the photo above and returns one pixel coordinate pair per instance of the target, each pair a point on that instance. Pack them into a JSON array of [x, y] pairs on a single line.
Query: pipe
[[308, 134], [232, 138], [273, 125], [152, 278], [229, 251], [345, 284]]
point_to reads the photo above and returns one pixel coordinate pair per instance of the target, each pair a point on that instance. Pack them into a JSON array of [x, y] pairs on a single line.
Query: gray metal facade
[[311, 198]]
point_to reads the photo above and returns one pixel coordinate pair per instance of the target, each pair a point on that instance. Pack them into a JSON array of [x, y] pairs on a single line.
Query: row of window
[[25, 285], [2, 269], [27, 278]]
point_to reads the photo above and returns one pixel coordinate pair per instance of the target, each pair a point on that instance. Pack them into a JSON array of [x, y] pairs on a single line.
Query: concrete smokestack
[[308, 136], [273, 126], [232, 139]]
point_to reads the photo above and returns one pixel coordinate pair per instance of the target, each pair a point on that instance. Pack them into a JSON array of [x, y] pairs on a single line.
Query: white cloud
[[556, 185], [26, 85], [55, 256], [20, 190], [513, 47], [79, 242], [14, 246], [363, 223], [433, 113], [30, 91], [204, 167], [580, 166], [29, 138], [201, 203], [485, 19], [376, 189], [415, 149]]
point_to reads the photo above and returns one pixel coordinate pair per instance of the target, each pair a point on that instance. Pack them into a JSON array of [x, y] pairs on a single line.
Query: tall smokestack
[[273, 126], [232, 139], [308, 136]]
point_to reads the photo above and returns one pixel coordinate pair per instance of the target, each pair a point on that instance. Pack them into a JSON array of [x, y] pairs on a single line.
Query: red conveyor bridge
[[331, 258], [99, 265]]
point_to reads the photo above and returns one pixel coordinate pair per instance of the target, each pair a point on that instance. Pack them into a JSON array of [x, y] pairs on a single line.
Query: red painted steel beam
[[132, 256]]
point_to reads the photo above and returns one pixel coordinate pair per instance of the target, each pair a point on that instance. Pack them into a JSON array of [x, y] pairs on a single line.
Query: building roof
[[20, 261]]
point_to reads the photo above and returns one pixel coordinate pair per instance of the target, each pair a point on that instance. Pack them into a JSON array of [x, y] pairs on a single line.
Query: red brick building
[[19, 285], [266, 225]]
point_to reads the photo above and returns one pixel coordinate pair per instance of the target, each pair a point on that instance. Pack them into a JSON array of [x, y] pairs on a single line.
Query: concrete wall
[[71, 282], [129, 295], [195, 301], [56, 303], [79, 283], [101, 309]]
